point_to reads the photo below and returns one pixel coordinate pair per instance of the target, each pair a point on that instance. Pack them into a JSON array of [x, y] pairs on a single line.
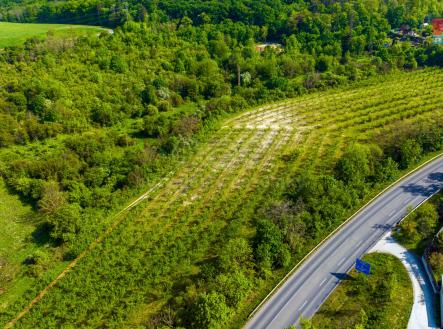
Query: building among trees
[[437, 31]]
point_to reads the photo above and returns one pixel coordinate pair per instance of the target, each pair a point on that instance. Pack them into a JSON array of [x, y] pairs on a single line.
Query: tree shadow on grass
[[42, 236], [23, 199]]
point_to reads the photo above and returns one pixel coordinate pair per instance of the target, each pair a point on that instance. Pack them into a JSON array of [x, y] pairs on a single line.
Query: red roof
[[437, 26]]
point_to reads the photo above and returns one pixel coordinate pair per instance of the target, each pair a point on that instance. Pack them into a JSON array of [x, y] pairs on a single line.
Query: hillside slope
[[154, 264]]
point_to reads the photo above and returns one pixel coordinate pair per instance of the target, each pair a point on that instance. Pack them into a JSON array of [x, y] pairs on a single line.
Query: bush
[[209, 311], [410, 153], [234, 286], [66, 223], [354, 164], [37, 263], [151, 110], [52, 198], [436, 261], [421, 224], [164, 106], [236, 254], [408, 231], [427, 219], [269, 248]]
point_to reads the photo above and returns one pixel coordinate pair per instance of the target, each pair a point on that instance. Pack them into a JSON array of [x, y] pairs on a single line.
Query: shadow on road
[[342, 276], [432, 184], [383, 227]]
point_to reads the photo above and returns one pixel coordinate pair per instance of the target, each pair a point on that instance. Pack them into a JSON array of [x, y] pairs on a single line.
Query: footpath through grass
[[13, 34], [157, 254]]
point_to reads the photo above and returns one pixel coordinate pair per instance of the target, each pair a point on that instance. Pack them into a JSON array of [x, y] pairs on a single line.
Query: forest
[[88, 123]]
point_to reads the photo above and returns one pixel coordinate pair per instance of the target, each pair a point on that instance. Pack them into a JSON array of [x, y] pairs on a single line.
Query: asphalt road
[[308, 287]]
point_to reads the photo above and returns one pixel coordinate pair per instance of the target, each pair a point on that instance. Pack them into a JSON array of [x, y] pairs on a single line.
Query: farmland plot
[[153, 255]]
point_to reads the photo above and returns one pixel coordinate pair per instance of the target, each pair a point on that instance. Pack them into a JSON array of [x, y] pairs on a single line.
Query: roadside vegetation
[[422, 231], [381, 300], [89, 122], [417, 231]]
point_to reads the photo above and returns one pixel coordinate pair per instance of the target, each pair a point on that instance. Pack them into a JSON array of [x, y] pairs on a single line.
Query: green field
[[382, 300], [13, 34], [155, 255], [17, 224]]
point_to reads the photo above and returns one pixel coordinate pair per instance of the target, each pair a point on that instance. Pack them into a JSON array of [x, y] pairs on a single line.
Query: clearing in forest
[[160, 245], [14, 34]]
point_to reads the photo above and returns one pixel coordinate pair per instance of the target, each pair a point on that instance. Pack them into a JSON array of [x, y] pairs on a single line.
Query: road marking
[[324, 280], [302, 305], [341, 261], [358, 244], [405, 202], [392, 213]]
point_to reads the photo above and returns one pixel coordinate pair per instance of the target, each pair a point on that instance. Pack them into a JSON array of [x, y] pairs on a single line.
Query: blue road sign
[[362, 266]]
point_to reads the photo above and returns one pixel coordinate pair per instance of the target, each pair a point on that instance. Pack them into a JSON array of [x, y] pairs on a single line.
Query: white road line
[[341, 261], [392, 213], [358, 244], [302, 305], [321, 283]]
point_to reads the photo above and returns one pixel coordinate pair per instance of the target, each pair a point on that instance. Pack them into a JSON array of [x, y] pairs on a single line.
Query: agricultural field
[[156, 252], [381, 300], [14, 34]]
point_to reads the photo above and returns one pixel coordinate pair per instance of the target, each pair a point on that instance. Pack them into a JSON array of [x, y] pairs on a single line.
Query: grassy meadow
[[14, 34]]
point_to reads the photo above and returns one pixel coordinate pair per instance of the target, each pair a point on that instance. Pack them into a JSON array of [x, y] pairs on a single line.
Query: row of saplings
[[288, 227]]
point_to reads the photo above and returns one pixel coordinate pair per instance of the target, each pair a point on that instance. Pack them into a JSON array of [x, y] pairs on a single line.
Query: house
[[437, 26], [437, 31]]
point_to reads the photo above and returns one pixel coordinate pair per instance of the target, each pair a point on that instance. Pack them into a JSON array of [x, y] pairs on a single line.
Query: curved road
[[309, 286]]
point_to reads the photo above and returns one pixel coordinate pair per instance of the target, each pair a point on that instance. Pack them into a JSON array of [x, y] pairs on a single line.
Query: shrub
[[234, 286], [236, 254], [164, 106], [436, 260], [410, 153], [209, 311]]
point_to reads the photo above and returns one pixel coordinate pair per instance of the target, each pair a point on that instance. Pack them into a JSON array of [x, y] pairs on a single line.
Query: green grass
[[154, 256], [385, 296], [13, 34], [17, 225]]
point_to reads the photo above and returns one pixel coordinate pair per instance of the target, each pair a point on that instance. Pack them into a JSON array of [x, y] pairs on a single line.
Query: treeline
[[274, 14]]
